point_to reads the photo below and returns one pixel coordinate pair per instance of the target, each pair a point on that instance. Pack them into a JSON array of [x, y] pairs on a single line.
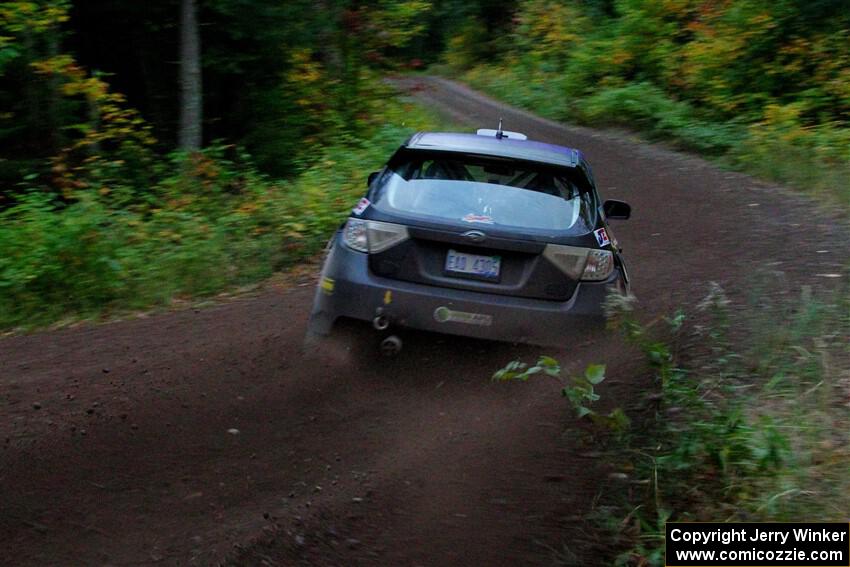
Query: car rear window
[[482, 190]]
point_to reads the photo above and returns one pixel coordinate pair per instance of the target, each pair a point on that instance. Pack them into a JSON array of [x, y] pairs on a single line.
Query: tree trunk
[[191, 92]]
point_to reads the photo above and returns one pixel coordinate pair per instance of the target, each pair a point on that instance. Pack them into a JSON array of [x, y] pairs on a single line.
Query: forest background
[[177, 148]]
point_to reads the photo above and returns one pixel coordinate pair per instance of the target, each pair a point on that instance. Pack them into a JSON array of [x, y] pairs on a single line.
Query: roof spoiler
[[499, 133]]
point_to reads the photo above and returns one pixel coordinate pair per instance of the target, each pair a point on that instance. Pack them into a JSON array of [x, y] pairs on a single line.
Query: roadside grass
[[748, 418], [751, 419], [775, 146], [211, 223]]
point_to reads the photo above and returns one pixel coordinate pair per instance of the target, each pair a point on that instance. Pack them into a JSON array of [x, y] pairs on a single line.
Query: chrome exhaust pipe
[[381, 322], [391, 346]]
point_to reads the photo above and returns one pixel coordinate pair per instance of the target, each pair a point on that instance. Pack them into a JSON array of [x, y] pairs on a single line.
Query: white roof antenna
[[500, 134]]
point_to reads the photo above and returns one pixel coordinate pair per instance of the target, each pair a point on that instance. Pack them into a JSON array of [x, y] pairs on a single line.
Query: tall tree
[[191, 89]]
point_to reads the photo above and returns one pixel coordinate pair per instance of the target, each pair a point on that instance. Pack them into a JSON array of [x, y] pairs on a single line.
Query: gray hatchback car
[[487, 235]]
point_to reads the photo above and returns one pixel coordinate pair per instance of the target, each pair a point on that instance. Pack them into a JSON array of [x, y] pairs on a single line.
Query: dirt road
[[199, 436]]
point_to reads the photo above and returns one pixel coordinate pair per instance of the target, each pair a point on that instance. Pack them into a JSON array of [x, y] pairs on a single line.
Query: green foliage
[[208, 222], [753, 429], [30, 113], [281, 79], [305, 70], [579, 390], [98, 216], [821, 163], [22, 20], [467, 46], [748, 81], [646, 107]]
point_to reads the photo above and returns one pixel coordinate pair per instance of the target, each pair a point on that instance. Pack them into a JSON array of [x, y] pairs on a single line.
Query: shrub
[[645, 107], [211, 221], [751, 430]]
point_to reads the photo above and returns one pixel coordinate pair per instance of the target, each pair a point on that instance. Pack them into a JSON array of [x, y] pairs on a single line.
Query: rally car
[[486, 235]]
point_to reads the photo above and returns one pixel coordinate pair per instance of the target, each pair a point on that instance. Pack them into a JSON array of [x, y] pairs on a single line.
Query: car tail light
[[581, 263], [568, 259], [373, 236], [383, 235], [600, 264], [355, 236]]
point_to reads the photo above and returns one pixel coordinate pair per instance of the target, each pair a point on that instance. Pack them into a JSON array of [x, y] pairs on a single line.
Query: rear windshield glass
[[480, 190]]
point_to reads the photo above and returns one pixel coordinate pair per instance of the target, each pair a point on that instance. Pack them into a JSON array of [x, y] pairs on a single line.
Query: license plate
[[473, 264]]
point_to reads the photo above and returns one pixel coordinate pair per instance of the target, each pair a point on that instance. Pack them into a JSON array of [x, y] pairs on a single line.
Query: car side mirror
[[372, 176], [619, 210]]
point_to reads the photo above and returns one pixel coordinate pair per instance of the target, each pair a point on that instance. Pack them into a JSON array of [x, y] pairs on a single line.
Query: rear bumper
[[348, 289]]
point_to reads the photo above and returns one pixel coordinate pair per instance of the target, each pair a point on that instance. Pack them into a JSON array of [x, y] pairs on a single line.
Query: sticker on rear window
[[361, 206], [602, 237], [478, 218]]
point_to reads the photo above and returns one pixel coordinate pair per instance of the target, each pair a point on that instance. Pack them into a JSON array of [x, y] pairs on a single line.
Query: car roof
[[529, 150]]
